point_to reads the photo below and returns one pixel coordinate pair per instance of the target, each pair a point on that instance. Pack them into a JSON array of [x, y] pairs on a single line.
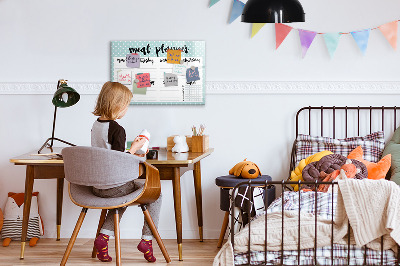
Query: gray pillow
[[393, 148]]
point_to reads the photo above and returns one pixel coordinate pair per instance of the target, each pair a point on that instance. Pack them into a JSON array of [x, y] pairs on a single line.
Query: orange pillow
[[375, 170]]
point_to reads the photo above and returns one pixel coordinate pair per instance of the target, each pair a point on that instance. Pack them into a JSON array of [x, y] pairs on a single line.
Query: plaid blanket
[[323, 205], [324, 257], [250, 202], [306, 201], [247, 202]]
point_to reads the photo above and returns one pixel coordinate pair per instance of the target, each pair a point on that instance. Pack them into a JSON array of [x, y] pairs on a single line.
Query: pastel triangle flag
[[256, 28], [361, 37], [389, 30], [306, 39], [213, 2], [332, 41], [281, 31], [237, 9]]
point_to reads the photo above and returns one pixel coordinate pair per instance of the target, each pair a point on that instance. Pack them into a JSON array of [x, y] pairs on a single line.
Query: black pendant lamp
[[273, 11]]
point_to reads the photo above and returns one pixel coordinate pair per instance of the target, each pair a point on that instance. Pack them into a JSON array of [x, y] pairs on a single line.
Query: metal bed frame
[[283, 184]]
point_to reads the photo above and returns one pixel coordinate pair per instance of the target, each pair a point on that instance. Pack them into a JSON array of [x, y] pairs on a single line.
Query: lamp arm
[[54, 118], [54, 126]]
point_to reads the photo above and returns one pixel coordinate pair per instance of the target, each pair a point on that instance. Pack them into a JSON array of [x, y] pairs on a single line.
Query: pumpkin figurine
[[245, 169]]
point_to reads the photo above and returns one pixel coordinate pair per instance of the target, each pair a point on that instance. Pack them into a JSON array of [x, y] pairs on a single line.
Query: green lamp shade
[[65, 96]]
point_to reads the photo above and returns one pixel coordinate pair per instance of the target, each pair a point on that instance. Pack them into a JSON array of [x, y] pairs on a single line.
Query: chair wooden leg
[[223, 229], [101, 222], [73, 237], [117, 239], [154, 230]]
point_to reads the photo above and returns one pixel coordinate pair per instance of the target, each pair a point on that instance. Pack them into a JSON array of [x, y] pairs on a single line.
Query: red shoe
[[146, 247], [101, 245]]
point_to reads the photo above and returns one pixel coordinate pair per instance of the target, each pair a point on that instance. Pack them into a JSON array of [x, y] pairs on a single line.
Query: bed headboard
[[344, 118], [344, 121]]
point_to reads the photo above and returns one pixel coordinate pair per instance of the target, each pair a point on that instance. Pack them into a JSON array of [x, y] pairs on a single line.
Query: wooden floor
[[50, 252]]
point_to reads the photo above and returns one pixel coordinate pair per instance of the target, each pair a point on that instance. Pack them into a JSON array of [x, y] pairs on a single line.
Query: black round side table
[[228, 182]]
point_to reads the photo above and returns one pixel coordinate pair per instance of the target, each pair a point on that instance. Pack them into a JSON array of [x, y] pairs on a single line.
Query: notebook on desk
[[50, 156]]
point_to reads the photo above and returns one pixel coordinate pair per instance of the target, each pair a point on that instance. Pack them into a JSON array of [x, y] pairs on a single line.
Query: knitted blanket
[[371, 207], [274, 235]]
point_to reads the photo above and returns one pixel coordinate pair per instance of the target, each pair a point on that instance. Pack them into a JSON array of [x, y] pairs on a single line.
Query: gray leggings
[[154, 208]]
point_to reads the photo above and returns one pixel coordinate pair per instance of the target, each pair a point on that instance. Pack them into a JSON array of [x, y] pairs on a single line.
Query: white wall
[[42, 41]]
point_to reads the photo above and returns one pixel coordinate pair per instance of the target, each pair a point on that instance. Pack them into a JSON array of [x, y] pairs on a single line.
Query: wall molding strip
[[231, 87]]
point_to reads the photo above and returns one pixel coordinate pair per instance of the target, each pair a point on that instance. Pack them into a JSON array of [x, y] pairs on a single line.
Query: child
[[112, 103]]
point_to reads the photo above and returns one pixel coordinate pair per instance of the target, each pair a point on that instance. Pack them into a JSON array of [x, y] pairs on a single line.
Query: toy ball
[[245, 169]]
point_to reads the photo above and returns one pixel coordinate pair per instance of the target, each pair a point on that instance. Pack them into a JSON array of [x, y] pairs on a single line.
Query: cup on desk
[[152, 155]]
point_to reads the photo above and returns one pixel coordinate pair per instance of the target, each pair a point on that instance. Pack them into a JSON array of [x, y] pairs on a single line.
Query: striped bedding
[[306, 202]]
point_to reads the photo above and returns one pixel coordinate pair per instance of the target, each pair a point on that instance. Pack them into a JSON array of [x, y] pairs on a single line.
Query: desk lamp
[[272, 11], [64, 96]]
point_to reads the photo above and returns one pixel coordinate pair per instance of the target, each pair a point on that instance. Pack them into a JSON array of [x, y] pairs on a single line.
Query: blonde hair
[[112, 99]]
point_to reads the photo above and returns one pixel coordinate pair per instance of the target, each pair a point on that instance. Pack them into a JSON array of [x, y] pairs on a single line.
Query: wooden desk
[[40, 167], [169, 165]]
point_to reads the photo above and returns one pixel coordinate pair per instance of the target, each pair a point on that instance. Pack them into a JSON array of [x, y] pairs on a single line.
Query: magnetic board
[[160, 72]]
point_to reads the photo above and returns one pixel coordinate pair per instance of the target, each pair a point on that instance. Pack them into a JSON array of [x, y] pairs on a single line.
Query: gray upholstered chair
[[85, 167]]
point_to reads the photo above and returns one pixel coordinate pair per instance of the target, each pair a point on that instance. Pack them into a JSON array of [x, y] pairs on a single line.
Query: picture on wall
[[160, 72]]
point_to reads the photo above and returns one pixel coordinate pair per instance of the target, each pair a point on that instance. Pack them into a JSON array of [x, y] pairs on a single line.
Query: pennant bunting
[[389, 30], [256, 27], [281, 31], [237, 9], [332, 41], [306, 39], [361, 38], [213, 2]]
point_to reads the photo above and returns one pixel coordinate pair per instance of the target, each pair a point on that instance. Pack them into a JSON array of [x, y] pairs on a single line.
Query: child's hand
[[137, 144], [143, 155]]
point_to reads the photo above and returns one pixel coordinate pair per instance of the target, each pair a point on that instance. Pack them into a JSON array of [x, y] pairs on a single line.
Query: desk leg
[[176, 182], [60, 190], [27, 206], [197, 189]]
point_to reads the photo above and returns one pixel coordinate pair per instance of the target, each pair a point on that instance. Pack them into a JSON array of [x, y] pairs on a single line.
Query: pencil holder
[[200, 143]]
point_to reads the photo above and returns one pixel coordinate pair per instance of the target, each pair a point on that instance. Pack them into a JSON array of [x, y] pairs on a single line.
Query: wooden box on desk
[[171, 143], [200, 143]]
